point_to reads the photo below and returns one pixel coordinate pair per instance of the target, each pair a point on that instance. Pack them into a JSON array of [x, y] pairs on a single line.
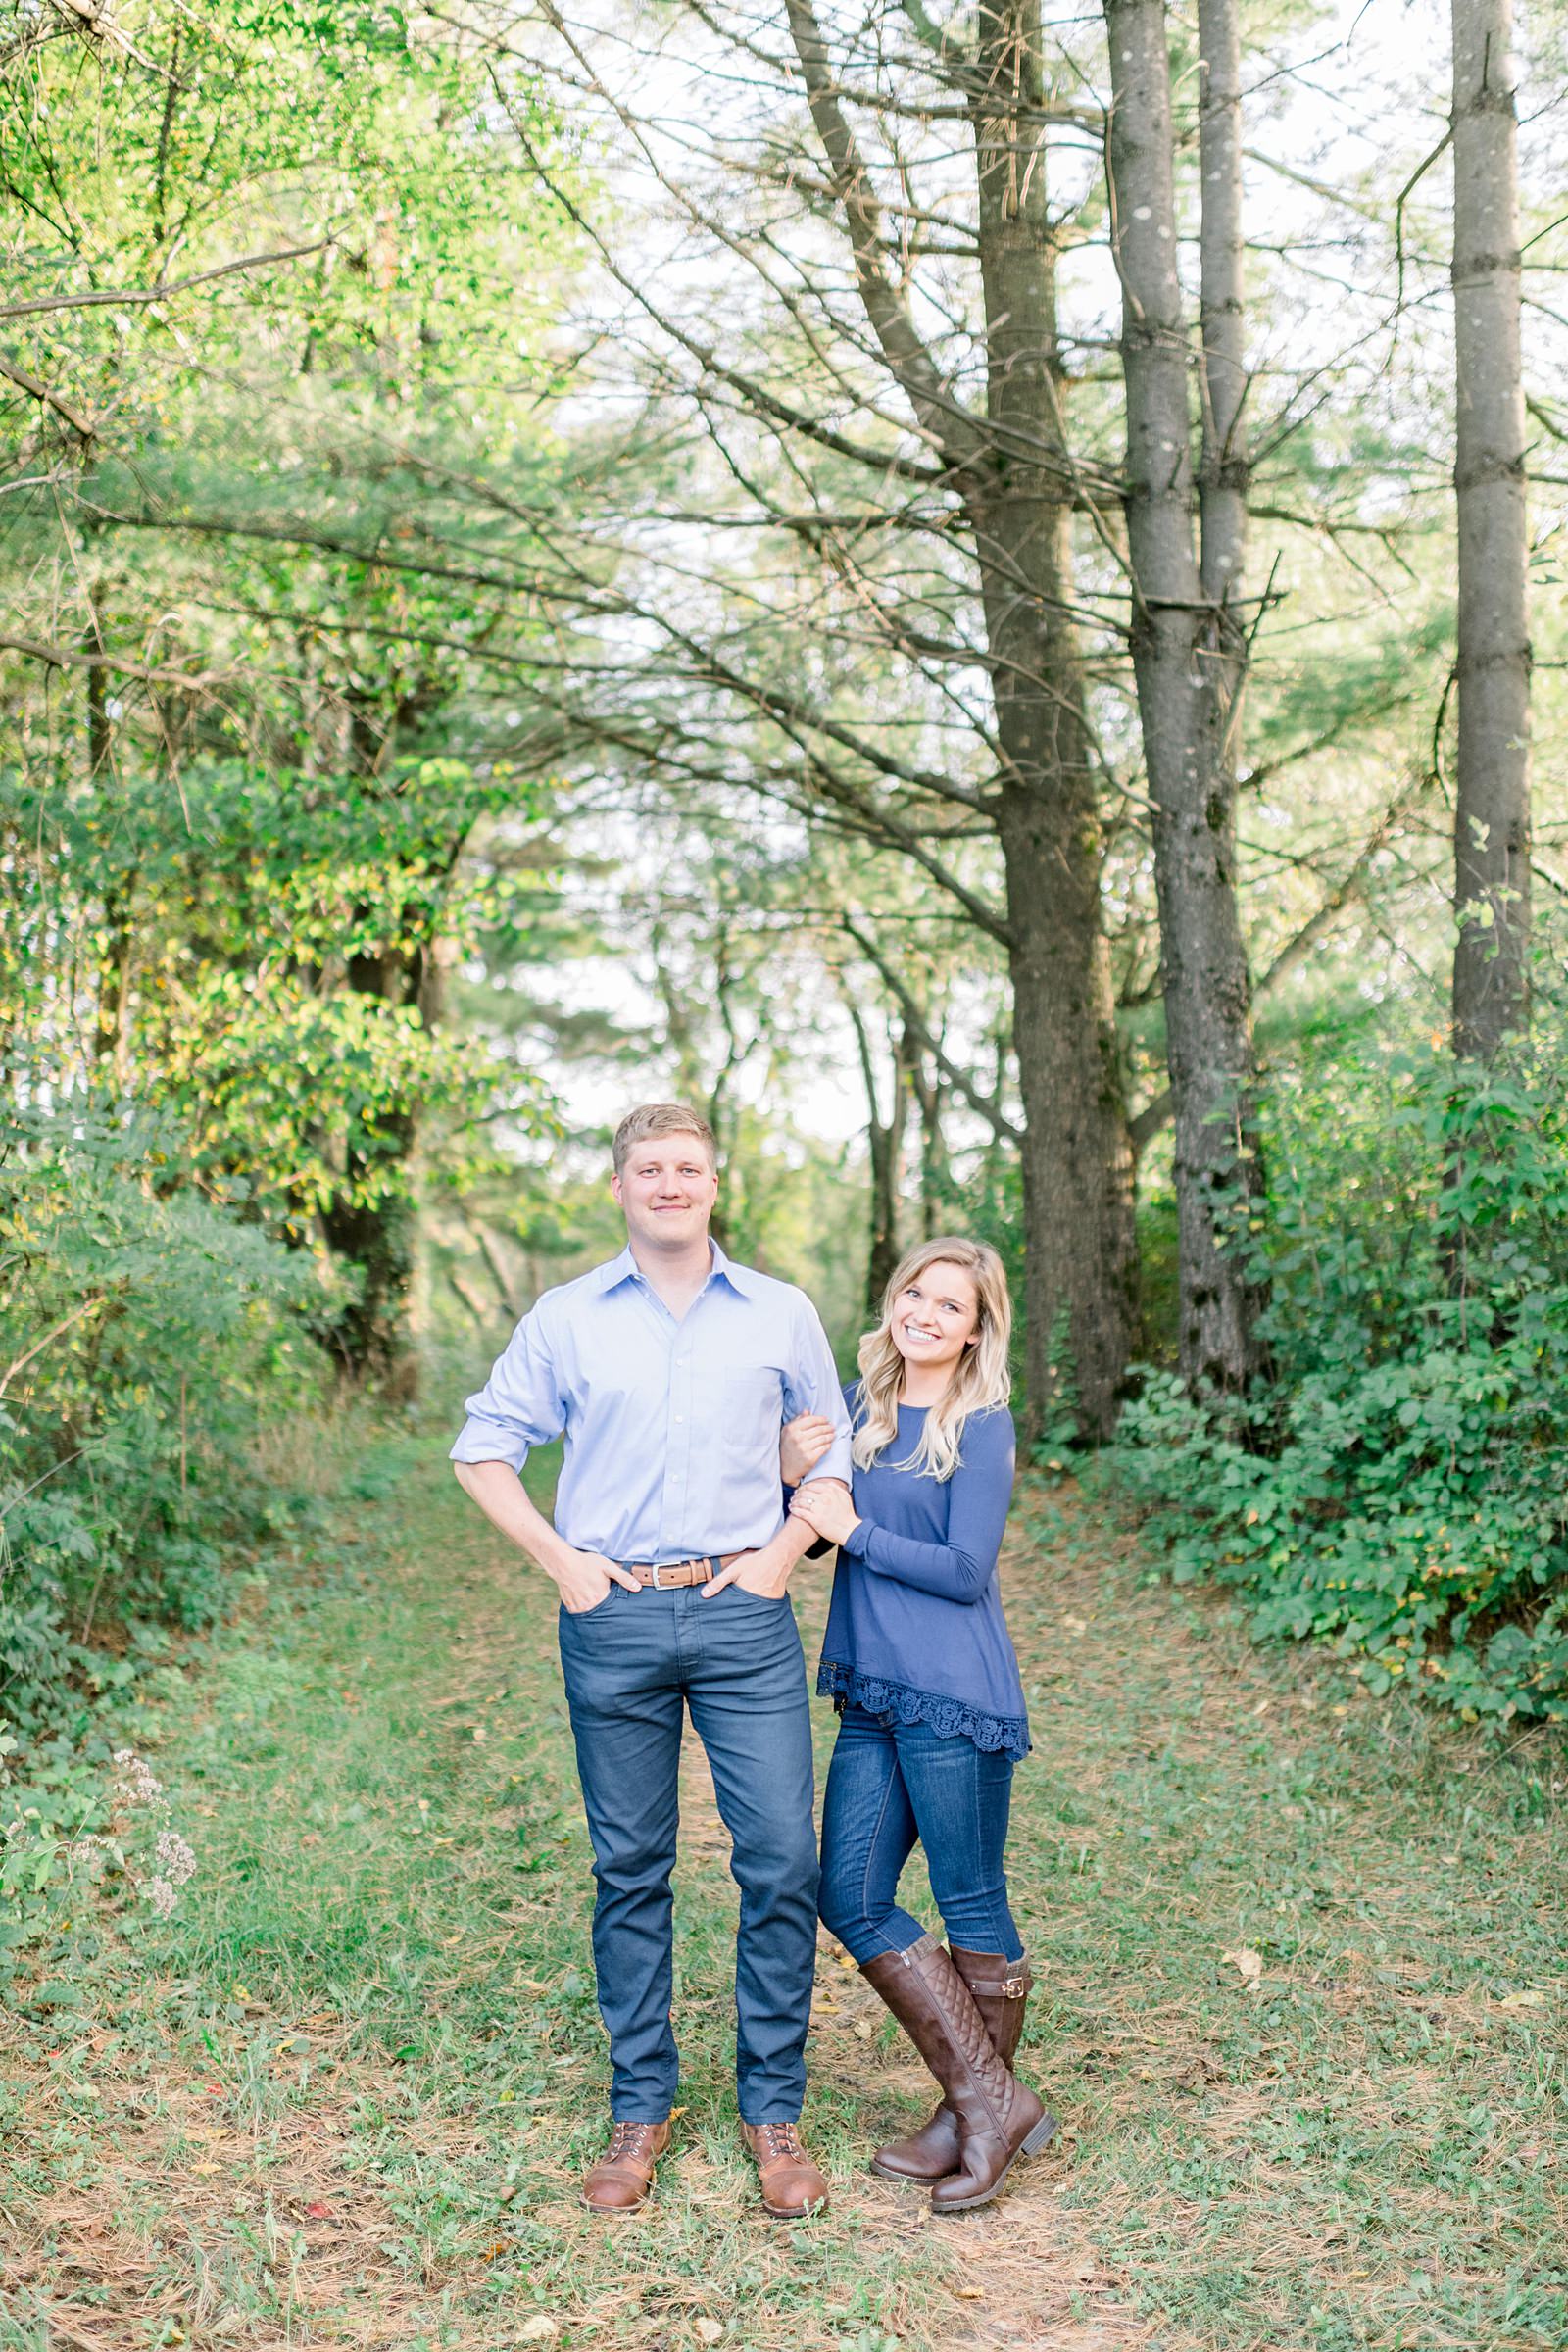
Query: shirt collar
[[625, 1268], [739, 1278]]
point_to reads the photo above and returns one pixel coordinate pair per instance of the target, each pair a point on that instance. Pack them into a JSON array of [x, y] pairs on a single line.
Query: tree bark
[[377, 1236], [1491, 817], [1080, 1247], [1225, 470], [885, 1152], [1016, 482], [925, 1082], [1189, 655], [1075, 1156]]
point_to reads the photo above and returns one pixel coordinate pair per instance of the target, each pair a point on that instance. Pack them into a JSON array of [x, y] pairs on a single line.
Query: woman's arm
[[979, 1494]]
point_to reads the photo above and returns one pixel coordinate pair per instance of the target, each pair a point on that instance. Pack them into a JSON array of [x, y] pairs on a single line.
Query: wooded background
[[973, 593]]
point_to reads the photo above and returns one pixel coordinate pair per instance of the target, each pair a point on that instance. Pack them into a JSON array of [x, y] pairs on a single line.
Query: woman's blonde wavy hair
[[981, 1377]]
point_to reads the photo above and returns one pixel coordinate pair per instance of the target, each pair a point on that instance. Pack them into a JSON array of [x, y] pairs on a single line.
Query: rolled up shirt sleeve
[[520, 1406], [813, 1387]]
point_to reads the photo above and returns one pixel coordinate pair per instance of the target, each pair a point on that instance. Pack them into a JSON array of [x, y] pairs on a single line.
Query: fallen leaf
[[709, 2331], [1250, 1963], [1204, 2066], [319, 2213], [1532, 1998], [539, 2330]]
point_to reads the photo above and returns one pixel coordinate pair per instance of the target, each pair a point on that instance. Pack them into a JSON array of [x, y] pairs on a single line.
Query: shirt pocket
[[752, 1416]]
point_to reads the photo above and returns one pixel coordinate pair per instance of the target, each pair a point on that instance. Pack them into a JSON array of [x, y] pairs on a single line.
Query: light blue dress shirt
[[671, 1427]]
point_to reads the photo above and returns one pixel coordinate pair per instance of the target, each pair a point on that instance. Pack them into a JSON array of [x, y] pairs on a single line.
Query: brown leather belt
[[665, 1576]]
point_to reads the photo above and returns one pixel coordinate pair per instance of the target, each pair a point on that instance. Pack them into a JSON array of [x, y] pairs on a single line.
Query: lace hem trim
[[948, 1718]]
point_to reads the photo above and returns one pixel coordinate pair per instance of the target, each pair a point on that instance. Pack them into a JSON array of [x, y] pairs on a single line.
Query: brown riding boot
[[1000, 1990], [621, 2180], [999, 2118], [792, 2186]]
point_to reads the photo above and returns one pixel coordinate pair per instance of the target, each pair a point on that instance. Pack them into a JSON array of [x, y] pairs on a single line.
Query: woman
[[919, 1662]]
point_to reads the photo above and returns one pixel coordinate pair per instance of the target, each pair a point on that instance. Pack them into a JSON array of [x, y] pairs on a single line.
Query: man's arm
[[812, 1387], [582, 1577], [521, 1406], [767, 1569]]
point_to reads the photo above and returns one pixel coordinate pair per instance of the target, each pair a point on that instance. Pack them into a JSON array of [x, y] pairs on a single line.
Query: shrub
[[1402, 1483], [141, 1333]]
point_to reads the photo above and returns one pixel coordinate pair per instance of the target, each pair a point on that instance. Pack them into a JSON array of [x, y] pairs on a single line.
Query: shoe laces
[[625, 2139], [778, 2140]]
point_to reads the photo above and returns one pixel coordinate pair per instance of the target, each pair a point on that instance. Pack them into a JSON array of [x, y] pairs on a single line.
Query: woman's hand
[[802, 1444], [826, 1509]]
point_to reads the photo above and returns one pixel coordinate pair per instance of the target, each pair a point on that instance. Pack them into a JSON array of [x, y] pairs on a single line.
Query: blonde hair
[[981, 1378], [651, 1121]]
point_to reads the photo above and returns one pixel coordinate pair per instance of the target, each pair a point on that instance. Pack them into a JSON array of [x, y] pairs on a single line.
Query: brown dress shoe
[[792, 2186], [624, 2174]]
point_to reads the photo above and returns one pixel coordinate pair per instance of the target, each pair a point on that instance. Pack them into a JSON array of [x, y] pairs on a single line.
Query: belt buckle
[[658, 1569]]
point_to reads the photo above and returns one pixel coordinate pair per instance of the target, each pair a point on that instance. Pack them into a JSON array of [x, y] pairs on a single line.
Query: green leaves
[[1401, 1488]]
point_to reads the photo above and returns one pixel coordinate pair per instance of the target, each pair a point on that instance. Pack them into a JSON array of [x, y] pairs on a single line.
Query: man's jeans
[[632, 1667]]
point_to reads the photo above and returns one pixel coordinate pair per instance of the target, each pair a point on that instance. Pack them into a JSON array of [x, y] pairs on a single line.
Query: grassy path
[[1304, 1970]]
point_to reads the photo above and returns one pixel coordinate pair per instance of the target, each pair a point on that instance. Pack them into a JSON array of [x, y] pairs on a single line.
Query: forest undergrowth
[[1300, 1951]]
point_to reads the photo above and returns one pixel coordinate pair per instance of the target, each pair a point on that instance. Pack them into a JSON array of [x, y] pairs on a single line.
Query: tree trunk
[[1080, 1250], [925, 1081], [1080, 1261], [1188, 657], [1017, 482], [110, 1041], [1225, 470], [376, 1237], [1492, 818], [885, 1152]]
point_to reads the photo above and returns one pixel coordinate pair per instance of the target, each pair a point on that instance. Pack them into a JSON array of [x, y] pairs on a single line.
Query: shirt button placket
[[677, 1481]]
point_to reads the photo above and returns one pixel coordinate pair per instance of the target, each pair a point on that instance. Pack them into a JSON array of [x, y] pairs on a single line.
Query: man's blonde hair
[[650, 1120]]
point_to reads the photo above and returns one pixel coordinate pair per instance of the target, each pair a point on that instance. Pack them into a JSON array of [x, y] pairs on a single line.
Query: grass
[[1301, 1959]]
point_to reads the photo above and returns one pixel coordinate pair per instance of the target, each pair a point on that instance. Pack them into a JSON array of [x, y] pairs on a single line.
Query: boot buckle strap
[[1004, 1988]]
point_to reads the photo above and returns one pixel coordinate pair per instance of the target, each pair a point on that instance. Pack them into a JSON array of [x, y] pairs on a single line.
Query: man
[[671, 1372]]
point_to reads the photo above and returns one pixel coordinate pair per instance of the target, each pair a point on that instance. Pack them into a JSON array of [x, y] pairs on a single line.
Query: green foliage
[[142, 1333], [1400, 1485]]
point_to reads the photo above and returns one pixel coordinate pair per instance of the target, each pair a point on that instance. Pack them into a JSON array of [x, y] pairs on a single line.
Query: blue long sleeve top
[[915, 1624]]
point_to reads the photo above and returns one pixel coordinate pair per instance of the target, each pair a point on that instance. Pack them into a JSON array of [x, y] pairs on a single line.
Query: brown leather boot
[[621, 2180], [792, 2186], [1000, 1990], [999, 2118]]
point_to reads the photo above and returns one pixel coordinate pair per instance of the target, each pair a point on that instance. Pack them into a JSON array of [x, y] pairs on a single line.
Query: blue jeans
[[891, 1784], [632, 1667]]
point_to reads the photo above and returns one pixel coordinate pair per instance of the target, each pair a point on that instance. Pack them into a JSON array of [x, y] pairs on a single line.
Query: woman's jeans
[[891, 1784]]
